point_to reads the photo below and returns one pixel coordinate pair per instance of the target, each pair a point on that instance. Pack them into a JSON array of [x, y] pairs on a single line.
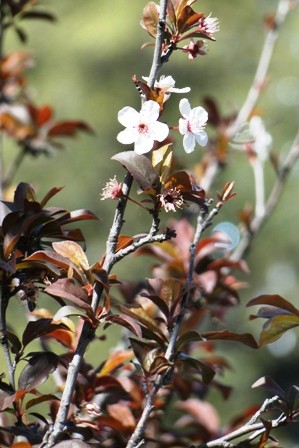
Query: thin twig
[[110, 259], [148, 239], [202, 224], [255, 90], [253, 428], [262, 69], [271, 203], [259, 182], [2, 207], [87, 333], [156, 65], [5, 296], [13, 168]]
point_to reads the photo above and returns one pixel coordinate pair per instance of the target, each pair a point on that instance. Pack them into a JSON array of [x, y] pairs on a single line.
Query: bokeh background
[[84, 64]]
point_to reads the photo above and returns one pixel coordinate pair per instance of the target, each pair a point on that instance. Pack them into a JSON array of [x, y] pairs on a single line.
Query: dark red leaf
[[42, 15], [140, 167], [49, 195], [37, 370], [206, 371], [68, 128], [274, 300], [22, 35], [40, 399], [225, 335], [145, 352], [267, 383], [6, 399], [126, 322], [150, 18], [41, 327], [67, 288], [14, 341]]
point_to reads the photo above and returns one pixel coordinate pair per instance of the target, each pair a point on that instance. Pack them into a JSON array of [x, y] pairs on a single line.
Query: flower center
[[142, 128]]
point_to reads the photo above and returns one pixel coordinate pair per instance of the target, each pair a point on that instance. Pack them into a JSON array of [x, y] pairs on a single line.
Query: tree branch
[[262, 69], [148, 239], [255, 90], [250, 427], [157, 62], [87, 333], [202, 224], [2, 206], [271, 203]]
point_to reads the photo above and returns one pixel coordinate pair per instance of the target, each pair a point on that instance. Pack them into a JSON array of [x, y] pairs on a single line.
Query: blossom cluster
[[143, 128]]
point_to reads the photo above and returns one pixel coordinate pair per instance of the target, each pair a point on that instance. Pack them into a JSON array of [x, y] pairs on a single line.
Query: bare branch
[[256, 88], [202, 224], [262, 69], [251, 427], [271, 203], [148, 239], [157, 62]]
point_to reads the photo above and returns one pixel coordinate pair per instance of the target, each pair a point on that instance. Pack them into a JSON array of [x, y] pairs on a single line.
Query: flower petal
[[183, 123], [128, 116], [199, 114], [185, 107], [127, 136], [182, 90], [159, 131], [201, 138], [143, 144], [189, 142], [150, 111]]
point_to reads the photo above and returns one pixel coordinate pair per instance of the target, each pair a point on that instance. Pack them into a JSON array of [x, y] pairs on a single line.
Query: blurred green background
[[84, 64]]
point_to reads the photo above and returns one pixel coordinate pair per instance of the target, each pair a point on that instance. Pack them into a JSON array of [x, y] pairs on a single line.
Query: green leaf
[[274, 328]]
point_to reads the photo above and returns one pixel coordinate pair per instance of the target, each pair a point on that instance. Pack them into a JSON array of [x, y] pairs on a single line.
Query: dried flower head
[[195, 49], [112, 190], [171, 199], [208, 25]]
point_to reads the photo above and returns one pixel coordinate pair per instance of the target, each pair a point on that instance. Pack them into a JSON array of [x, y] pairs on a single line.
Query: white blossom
[[262, 138], [142, 128], [192, 125], [166, 85]]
